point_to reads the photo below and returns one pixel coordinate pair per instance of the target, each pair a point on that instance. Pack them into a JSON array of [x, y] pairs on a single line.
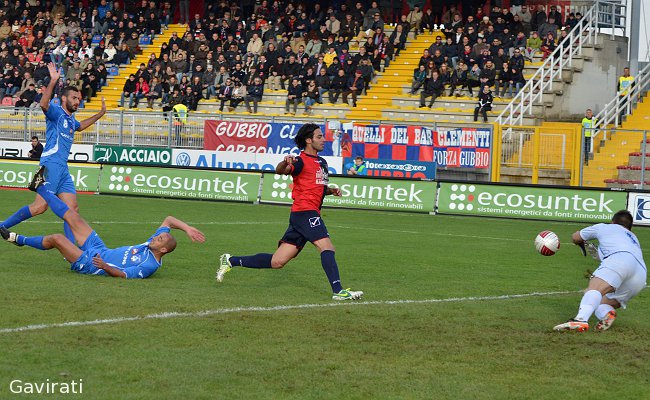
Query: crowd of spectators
[[234, 56], [234, 51], [476, 49]]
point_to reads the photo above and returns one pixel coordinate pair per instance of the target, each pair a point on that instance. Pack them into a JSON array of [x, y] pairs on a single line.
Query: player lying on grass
[[92, 256], [310, 186], [621, 275]]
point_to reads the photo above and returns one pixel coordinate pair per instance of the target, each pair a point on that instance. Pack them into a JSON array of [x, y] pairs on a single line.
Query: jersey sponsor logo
[[314, 222]]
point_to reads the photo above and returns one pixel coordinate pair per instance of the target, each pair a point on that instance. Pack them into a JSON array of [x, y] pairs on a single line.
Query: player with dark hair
[[621, 275], [92, 257], [60, 127], [310, 180]]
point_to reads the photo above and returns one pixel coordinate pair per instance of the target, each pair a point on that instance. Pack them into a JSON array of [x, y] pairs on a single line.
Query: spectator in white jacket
[[109, 53]]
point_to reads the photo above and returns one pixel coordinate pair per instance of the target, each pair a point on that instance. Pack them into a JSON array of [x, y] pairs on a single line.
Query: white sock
[[589, 303], [602, 310]]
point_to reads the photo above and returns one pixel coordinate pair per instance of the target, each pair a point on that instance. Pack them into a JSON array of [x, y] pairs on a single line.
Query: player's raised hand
[[54, 71], [103, 109], [195, 235], [289, 160]]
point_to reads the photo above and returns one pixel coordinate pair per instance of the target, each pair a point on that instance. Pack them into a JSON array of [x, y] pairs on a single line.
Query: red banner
[[249, 137]]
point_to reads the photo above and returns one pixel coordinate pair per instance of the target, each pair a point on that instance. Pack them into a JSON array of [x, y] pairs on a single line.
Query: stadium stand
[[360, 33]]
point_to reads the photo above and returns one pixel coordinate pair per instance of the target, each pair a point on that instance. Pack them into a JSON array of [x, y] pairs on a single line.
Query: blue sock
[[331, 270], [57, 205], [261, 260], [31, 241], [68, 232], [18, 217]]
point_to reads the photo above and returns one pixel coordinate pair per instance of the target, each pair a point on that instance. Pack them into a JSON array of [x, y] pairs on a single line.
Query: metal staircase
[[600, 17]]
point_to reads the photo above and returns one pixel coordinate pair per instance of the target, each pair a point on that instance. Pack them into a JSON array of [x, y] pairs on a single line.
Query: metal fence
[[529, 149], [155, 128], [620, 161]]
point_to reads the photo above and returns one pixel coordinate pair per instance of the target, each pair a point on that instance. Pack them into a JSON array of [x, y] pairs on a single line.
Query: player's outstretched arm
[[91, 120], [174, 223], [54, 80], [112, 271], [578, 240], [284, 167], [333, 190]]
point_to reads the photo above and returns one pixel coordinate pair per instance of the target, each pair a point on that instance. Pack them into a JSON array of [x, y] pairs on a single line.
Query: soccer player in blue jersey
[[60, 127], [93, 257]]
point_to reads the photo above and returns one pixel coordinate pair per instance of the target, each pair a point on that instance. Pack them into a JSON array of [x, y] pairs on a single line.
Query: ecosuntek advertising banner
[[133, 155], [529, 202], [396, 168], [20, 173], [379, 194], [639, 205], [180, 183], [234, 160], [14, 149], [253, 137]]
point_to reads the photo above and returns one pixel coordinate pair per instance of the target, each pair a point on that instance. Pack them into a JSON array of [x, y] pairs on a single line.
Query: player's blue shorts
[[59, 178], [91, 247], [304, 226]]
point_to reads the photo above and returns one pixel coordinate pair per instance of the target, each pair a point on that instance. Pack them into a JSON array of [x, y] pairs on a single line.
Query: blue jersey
[[136, 261], [59, 134]]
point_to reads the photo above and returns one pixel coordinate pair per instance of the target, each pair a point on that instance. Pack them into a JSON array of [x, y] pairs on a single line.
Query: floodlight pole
[[635, 28]]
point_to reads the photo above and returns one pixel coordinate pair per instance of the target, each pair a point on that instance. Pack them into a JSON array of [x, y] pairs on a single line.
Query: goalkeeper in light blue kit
[[621, 275], [60, 128], [93, 257]]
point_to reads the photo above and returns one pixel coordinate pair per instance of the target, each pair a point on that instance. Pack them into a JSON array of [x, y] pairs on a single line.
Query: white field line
[[234, 310], [91, 223]]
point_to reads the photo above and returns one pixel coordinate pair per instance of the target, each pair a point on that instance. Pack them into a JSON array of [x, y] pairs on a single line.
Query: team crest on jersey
[[134, 251], [314, 222], [322, 176], [135, 259]]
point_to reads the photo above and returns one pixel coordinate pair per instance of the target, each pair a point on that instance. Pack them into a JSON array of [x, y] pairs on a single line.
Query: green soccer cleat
[[605, 323], [347, 294], [572, 325], [224, 266]]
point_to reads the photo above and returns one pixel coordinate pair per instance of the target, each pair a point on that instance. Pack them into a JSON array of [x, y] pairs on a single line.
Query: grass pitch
[[465, 335]]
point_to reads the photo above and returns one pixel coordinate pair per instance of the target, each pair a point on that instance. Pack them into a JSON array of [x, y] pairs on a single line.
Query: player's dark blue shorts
[[84, 264], [304, 226], [59, 177]]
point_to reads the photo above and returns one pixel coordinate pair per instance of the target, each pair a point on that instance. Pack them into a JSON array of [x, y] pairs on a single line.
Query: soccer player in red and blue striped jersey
[[311, 185]]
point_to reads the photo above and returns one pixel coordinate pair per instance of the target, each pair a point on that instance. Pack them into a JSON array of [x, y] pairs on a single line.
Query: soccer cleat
[[605, 323], [37, 180], [224, 266], [8, 236], [347, 294], [572, 325]]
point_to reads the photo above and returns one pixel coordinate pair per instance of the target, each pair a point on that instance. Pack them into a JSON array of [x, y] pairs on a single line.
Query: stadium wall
[[368, 193], [605, 62]]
